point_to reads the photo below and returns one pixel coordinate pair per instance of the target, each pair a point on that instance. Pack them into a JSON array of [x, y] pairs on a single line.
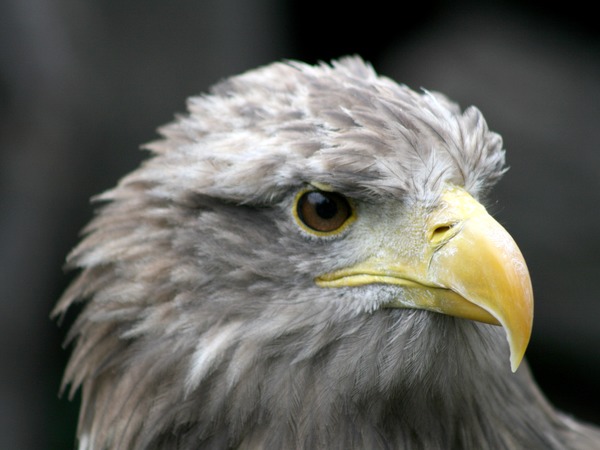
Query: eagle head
[[304, 261]]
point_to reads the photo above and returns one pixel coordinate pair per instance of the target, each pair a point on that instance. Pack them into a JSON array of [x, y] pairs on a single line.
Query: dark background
[[84, 83]]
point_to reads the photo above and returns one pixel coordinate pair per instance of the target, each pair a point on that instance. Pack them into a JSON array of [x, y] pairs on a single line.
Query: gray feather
[[202, 326]]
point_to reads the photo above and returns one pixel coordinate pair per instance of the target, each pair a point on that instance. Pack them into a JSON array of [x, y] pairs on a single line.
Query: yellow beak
[[459, 262]]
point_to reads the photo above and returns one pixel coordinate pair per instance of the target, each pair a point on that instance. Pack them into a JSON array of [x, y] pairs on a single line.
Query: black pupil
[[325, 207]]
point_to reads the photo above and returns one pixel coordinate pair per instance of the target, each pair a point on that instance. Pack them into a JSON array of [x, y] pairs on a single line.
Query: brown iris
[[323, 211]]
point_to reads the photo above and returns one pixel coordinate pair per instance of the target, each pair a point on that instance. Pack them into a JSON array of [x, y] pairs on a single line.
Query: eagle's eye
[[322, 212]]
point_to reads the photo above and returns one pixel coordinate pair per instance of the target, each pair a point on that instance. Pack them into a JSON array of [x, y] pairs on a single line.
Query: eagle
[[304, 261]]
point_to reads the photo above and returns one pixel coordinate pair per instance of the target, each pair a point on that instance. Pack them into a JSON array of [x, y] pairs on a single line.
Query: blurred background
[[84, 83]]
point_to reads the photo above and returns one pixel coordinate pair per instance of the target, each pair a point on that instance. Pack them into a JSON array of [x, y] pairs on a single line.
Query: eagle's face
[[305, 238]]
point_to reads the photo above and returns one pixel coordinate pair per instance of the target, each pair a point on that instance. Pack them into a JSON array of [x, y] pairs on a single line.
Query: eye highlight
[[323, 213]]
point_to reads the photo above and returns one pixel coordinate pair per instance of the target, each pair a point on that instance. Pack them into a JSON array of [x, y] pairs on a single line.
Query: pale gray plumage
[[203, 326]]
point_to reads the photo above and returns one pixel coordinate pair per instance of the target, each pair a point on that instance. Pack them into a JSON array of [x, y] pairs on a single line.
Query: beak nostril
[[440, 233], [441, 230]]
